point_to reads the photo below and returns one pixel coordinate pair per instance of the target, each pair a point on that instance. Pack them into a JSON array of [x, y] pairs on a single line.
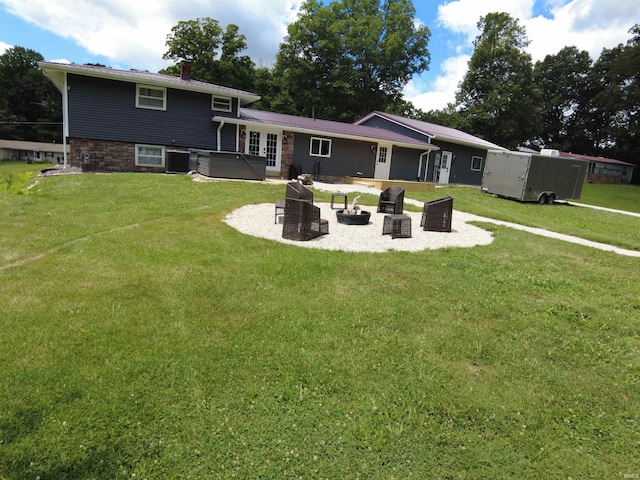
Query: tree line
[[346, 58]]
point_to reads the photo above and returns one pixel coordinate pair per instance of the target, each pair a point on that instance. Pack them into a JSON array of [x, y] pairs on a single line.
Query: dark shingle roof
[[437, 132], [596, 159], [156, 79], [331, 128]]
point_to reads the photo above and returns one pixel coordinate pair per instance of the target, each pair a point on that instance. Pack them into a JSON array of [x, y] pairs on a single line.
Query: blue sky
[[125, 34]]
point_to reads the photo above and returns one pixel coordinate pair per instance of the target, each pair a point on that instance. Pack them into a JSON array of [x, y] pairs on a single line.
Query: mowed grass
[[599, 226], [141, 337]]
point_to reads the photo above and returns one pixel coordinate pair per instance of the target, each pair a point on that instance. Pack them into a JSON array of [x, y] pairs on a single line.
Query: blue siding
[[460, 166], [348, 157], [404, 164], [105, 110], [461, 163]]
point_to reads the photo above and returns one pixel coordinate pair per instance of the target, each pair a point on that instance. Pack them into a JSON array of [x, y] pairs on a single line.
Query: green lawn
[[141, 337]]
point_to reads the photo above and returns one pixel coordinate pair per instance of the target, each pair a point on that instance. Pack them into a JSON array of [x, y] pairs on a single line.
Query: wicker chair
[[391, 200], [297, 191], [302, 220], [436, 215]]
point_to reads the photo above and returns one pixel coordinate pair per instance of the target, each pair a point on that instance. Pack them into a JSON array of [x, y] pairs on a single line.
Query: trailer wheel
[[542, 199], [551, 198]]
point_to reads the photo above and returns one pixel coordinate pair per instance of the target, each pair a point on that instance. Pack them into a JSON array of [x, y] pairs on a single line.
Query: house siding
[[404, 164], [461, 164], [348, 157], [104, 109]]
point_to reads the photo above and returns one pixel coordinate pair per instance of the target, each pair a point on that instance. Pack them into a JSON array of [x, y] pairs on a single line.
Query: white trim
[[333, 135], [140, 86], [215, 97], [138, 155], [476, 169], [146, 78], [321, 141]]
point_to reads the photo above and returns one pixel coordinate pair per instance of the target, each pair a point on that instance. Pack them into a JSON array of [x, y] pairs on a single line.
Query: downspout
[[218, 133], [426, 168], [65, 119], [420, 163]]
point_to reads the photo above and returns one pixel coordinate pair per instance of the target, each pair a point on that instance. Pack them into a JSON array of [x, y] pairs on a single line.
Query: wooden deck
[[382, 184]]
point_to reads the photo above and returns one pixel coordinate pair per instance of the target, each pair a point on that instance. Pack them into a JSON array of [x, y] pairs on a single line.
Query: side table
[[338, 194], [398, 225]]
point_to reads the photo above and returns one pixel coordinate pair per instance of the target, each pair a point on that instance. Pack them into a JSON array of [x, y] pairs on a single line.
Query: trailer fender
[[546, 198]]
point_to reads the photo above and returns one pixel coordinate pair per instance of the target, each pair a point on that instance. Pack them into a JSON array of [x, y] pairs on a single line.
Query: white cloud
[[589, 25], [134, 33], [4, 47], [443, 89], [462, 16]]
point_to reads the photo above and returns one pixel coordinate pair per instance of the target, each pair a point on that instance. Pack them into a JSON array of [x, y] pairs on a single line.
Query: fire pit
[[361, 218]]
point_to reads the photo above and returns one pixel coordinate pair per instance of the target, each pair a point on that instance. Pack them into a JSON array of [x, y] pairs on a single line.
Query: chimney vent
[[185, 71]]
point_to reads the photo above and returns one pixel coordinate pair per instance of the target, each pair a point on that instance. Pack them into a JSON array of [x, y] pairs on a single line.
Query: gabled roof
[[56, 72], [436, 132], [596, 159], [328, 128]]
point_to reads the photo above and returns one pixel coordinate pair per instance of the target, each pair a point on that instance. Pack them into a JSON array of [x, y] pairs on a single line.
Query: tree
[[563, 80], [615, 102], [214, 53], [342, 60], [498, 99], [29, 102]]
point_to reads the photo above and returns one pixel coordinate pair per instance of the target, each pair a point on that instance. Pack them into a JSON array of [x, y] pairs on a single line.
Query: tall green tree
[[563, 80], [498, 99], [615, 105], [344, 59], [30, 105], [215, 54]]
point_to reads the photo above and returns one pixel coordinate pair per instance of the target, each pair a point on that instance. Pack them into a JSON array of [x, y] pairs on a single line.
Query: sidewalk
[[327, 187]]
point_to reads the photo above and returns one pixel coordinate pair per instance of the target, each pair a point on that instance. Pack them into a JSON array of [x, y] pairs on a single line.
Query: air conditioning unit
[[550, 152]]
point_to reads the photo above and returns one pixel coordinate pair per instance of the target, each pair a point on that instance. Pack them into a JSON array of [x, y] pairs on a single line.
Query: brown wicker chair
[[297, 191], [302, 220], [436, 215], [391, 200]]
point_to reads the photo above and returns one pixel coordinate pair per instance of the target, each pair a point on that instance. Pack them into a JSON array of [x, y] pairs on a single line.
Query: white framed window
[[149, 156], [154, 98], [222, 104], [320, 147], [476, 164]]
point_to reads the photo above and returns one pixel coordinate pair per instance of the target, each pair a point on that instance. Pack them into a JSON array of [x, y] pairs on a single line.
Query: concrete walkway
[[328, 187]]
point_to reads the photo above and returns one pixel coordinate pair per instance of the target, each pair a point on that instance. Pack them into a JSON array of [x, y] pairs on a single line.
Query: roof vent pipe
[[185, 71]]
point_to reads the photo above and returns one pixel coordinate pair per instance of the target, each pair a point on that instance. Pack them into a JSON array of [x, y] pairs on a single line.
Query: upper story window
[[222, 104], [320, 147], [476, 164], [154, 98]]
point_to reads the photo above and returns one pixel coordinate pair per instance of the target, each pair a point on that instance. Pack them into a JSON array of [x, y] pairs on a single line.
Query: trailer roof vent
[[549, 152]]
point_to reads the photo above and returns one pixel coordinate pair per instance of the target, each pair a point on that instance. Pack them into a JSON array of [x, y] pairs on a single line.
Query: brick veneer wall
[[106, 156], [286, 159]]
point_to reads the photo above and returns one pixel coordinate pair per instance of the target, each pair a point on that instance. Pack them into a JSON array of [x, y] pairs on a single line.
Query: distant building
[[31, 151], [605, 170]]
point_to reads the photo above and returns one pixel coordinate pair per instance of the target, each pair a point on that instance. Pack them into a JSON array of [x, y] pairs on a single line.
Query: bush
[[18, 183]]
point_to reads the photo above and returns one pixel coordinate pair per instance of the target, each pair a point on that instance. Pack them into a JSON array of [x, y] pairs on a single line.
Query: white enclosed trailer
[[533, 177]]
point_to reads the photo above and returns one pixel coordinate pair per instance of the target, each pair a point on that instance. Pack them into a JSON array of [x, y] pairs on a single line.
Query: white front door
[[383, 162], [265, 143], [445, 167]]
